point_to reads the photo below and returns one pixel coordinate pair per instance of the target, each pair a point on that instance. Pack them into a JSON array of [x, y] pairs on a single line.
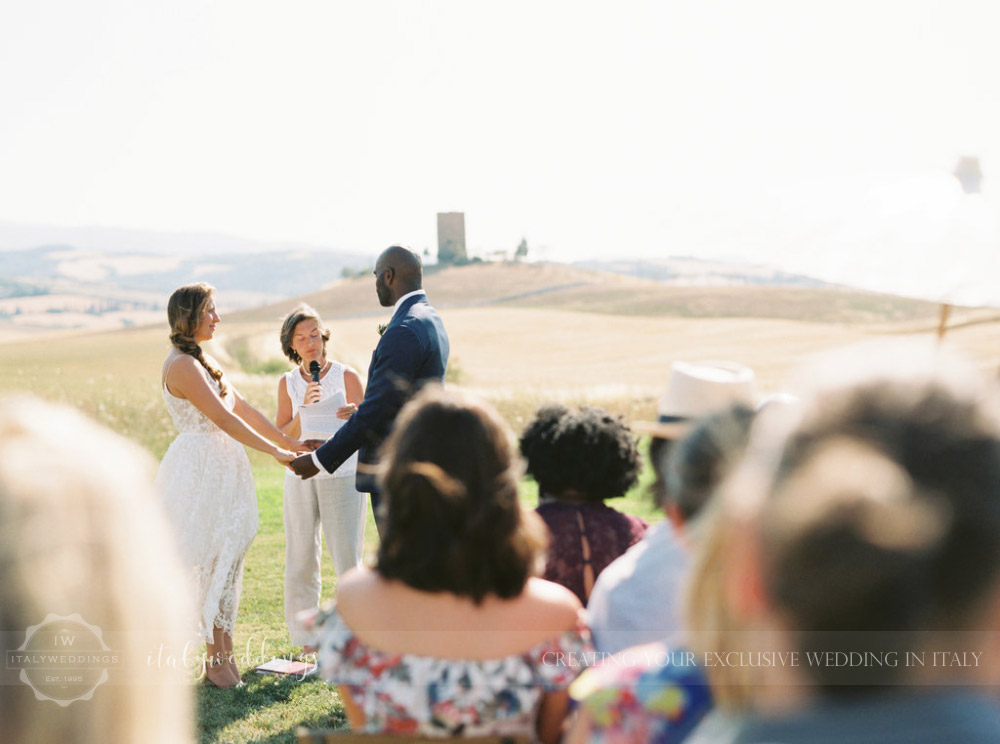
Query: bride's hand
[[284, 456]]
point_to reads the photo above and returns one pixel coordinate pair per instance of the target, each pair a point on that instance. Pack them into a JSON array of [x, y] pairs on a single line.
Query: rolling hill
[[543, 286], [520, 335]]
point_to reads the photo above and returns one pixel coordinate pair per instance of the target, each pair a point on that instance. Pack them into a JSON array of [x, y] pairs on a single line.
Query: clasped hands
[[303, 465]]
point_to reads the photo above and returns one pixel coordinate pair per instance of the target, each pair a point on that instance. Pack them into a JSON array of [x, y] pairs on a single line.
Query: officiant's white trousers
[[336, 506]]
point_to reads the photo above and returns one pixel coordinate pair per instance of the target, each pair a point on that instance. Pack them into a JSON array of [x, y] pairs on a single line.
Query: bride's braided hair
[[185, 310]]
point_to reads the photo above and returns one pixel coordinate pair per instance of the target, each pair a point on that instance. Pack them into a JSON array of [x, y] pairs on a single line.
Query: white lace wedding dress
[[207, 486]]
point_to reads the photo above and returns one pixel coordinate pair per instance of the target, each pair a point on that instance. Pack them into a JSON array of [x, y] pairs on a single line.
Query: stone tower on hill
[[451, 238]]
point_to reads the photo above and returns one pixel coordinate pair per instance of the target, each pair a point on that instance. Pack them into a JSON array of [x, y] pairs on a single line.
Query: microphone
[[314, 370]]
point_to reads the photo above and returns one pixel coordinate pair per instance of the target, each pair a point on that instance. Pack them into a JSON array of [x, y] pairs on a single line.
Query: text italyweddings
[[43, 659]]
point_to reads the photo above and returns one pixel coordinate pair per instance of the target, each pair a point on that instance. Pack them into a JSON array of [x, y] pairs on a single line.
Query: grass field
[[516, 350], [269, 709]]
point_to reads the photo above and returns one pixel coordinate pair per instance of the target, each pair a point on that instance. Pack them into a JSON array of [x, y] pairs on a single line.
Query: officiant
[[314, 400]]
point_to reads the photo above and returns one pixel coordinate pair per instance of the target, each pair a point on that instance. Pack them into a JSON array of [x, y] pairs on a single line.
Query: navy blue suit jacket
[[413, 349]]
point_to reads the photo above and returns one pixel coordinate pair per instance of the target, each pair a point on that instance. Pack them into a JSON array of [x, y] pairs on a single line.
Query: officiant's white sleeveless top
[[330, 383], [207, 486]]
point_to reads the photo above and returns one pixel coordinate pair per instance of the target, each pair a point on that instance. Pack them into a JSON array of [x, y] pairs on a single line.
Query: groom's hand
[[303, 466]]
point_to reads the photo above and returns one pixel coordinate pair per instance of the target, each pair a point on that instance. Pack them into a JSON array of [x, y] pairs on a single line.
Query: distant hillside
[[63, 287], [561, 287], [692, 270], [18, 236], [464, 286], [13, 288], [268, 275]]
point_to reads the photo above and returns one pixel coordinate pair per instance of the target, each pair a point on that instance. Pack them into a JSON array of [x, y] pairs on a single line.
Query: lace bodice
[[188, 418]]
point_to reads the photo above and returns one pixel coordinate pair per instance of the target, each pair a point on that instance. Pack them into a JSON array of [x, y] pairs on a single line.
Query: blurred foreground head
[[82, 534], [877, 504], [453, 521]]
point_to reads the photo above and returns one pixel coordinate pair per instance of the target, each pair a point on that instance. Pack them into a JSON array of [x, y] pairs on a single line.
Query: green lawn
[[269, 709], [114, 378]]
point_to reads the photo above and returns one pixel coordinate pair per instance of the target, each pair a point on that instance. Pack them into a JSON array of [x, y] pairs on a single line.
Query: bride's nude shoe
[[219, 674], [231, 663]]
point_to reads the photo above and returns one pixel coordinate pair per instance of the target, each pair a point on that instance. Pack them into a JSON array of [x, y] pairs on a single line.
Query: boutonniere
[[382, 327]]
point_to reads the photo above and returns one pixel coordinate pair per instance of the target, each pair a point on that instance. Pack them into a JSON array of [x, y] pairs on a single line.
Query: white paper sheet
[[319, 420]]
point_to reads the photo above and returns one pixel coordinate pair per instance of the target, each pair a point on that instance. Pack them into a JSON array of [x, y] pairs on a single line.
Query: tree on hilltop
[[522, 250]]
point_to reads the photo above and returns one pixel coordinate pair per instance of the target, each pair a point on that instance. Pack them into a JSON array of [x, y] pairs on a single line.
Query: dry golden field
[[520, 335]]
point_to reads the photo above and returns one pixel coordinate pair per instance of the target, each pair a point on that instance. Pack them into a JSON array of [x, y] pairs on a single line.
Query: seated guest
[[637, 599], [87, 553], [452, 633], [652, 692], [870, 532], [579, 459], [657, 691]]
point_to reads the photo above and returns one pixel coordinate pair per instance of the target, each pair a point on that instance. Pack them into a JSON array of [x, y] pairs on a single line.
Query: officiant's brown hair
[[299, 313], [453, 521]]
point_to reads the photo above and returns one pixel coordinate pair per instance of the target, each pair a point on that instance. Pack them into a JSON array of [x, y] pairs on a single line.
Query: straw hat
[[696, 389]]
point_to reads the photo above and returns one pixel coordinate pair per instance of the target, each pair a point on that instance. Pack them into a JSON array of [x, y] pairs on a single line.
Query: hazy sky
[[639, 128]]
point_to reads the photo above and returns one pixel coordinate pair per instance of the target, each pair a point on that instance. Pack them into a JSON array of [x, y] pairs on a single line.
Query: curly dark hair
[[452, 517], [586, 453]]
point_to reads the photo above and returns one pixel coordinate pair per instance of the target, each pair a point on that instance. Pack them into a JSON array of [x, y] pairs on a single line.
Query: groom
[[412, 350]]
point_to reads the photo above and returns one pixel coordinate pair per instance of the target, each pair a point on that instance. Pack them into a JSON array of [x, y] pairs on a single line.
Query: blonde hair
[[713, 626], [81, 533], [185, 310]]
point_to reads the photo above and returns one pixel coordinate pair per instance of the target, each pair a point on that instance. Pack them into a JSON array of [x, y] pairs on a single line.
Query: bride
[[205, 478]]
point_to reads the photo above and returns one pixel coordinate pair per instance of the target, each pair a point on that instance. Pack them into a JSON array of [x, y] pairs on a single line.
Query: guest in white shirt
[[704, 421]]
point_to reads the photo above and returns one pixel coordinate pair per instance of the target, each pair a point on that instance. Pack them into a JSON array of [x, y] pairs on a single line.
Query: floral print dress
[[412, 694], [649, 693]]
